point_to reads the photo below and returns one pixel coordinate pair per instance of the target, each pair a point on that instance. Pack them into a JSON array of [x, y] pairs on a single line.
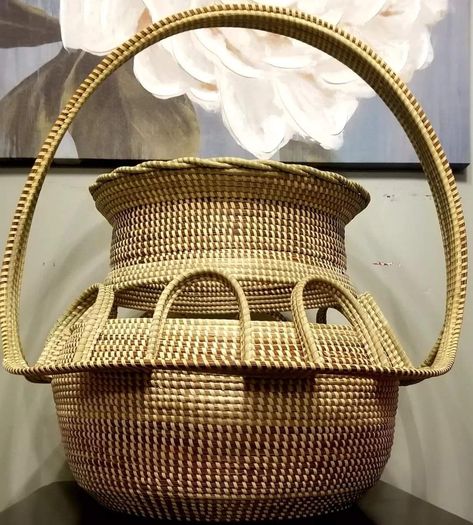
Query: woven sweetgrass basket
[[179, 414]]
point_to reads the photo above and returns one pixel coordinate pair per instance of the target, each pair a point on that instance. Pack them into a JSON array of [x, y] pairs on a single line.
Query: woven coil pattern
[[231, 419], [268, 224], [91, 337], [179, 445]]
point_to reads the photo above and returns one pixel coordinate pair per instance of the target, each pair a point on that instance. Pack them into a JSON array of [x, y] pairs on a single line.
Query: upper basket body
[[267, 224]]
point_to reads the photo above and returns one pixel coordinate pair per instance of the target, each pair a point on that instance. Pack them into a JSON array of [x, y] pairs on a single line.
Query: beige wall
[[432, 457]]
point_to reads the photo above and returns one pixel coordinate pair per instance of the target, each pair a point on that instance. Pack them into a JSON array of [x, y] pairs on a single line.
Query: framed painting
[[230, 92]]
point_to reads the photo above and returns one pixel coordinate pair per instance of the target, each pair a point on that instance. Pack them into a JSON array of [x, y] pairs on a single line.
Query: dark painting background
[[123, 121]]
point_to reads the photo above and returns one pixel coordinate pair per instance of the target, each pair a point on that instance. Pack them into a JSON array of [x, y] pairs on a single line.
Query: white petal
[[193, 58], [159, 74], [434, 10], [160, 9], [335, 76], [394, 53], [399, 14], [319, 115], [236, 57], [420, 55], [391, 38], [286, 53], [252, 115], [329, 10], [279, 3], [206, 96], [359, 12], [98, 26]]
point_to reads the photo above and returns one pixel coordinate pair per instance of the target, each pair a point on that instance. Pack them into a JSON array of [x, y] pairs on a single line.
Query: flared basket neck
[[358, 196]]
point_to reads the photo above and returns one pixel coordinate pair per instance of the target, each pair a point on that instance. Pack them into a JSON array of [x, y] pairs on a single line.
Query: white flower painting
[[245, 92]]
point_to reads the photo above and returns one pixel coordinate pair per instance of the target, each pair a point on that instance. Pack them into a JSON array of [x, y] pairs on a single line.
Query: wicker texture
[[217, 447], [231, 419], [268, 224], [90, 336]]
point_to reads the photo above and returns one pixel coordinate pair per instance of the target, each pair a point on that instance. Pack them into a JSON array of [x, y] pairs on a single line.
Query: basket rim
[[228, 164], [259, 366]]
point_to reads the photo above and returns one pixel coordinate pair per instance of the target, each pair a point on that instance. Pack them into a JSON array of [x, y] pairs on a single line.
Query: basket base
[[228, 510]]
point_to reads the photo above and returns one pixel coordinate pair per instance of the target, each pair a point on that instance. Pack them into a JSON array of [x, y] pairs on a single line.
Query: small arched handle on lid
[[348, 305], [313, 31], [100, 311], [172, 290]]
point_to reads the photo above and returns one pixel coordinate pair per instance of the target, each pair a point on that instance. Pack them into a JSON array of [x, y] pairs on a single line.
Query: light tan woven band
[[90, 337], [332, 40]]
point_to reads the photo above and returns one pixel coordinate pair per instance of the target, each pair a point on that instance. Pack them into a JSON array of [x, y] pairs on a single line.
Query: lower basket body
[[190, 446]]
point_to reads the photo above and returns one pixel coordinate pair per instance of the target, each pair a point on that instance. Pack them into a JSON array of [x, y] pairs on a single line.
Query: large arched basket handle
[[313, 31]]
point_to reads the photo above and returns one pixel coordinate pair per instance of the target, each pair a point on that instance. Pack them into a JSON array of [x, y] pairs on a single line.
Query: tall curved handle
[[313, 31]]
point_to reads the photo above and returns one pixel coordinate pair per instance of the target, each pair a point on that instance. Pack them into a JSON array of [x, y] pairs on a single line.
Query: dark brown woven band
[[332, 40]]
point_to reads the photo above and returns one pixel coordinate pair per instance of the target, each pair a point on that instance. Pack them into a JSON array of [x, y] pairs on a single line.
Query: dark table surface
[[64, 503]]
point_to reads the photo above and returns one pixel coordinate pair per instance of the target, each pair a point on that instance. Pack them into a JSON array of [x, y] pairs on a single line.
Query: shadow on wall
[[383, 283], [390, 300], [31, 453], [407, 424], [73, 270], [63, 473], [30, 447]]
